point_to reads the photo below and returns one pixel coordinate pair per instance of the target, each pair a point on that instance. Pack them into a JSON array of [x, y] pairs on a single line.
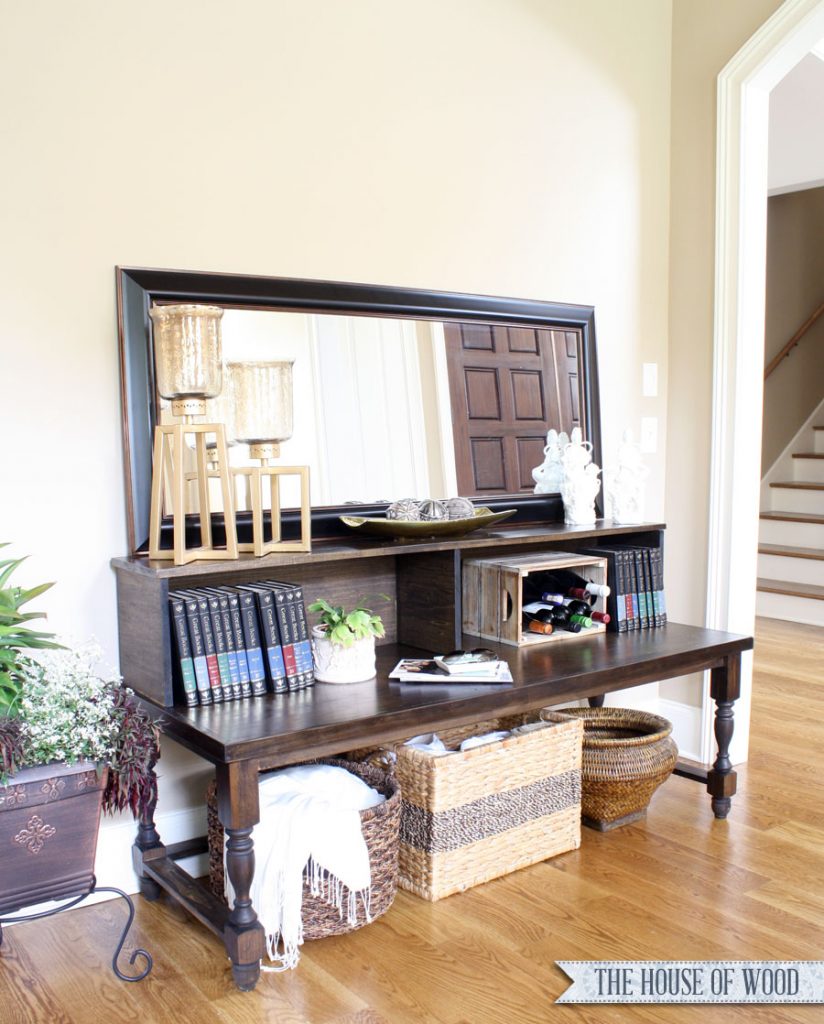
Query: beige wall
[[795, 288], [705, 35], [514, 147]]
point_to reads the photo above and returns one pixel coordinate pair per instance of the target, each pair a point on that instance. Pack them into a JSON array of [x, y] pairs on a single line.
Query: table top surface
[[327, 718]]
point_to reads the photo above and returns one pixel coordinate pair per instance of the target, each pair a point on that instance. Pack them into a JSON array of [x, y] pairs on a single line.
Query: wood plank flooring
[[677, 885]]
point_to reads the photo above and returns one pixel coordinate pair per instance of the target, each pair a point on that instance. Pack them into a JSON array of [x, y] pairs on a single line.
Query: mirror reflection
[[391, 408]]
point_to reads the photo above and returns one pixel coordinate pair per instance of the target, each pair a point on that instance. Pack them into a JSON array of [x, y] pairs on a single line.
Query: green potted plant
[[343, 642], [71, 741]]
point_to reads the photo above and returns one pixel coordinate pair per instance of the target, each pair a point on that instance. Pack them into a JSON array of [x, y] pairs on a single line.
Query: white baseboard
[[686, 726], [113, 864]]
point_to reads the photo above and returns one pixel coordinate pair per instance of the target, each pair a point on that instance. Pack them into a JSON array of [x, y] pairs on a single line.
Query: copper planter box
[[49, 819]]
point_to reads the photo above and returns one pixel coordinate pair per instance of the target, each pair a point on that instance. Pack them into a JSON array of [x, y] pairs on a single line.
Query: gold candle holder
[[261, 397], [188, 354]]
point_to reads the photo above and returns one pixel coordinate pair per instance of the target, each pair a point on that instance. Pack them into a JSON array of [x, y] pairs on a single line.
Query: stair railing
[[794, 340]]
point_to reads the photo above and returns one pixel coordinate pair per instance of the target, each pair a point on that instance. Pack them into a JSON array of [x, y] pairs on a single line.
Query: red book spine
[[214, 672], [289, 660]]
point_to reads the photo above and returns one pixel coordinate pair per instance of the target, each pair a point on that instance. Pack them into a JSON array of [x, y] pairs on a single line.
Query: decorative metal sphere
[[406, 509], [459, 508], [431, 510]]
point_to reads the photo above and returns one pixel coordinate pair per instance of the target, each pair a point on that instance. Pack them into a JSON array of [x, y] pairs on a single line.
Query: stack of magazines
[[436, 670]]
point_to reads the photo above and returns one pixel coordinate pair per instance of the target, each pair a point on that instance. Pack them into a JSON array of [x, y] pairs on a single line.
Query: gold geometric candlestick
[[189, 370], [261, 397]]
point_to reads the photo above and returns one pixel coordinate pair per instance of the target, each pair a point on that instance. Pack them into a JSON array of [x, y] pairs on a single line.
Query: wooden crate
[[492, 592]]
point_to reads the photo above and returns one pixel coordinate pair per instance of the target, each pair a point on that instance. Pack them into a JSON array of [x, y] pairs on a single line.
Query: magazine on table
[[433, 670]]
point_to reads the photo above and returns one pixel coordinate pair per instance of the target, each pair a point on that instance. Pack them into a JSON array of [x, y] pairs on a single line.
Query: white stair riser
[[796, 535], [799, 570], [819, 441], [793, 499], [792, 609], [809, 469]]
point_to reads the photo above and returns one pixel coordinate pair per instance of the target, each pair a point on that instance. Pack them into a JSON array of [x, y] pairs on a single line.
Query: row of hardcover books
[[231, 643], [636, 578]]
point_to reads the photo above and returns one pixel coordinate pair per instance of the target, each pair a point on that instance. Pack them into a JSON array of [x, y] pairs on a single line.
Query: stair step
[[784, 550], [809, 468], [794, 517], [808, 590], [789, 608], [792, 529], [800, 485], [793, 496], [787, 561]]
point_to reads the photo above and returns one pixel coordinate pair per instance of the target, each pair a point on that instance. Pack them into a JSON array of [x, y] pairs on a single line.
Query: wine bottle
[[577, 607], [565, 580], [561, 615], [539, 621]]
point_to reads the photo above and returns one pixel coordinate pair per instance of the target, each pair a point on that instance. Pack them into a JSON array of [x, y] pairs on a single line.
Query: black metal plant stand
[[73, 903]]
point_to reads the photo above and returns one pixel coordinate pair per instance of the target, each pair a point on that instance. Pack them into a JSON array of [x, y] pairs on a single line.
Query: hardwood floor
[[678, 885]]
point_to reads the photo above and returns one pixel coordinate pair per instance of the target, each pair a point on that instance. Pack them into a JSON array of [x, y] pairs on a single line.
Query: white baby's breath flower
[[67, 707]]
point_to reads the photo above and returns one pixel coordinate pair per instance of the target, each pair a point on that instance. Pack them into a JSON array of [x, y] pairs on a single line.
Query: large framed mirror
[[397, 392]]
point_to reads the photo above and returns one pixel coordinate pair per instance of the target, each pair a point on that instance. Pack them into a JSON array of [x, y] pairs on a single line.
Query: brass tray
[[381, 527]]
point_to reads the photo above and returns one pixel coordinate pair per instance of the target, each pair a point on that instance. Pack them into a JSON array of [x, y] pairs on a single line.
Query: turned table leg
[[148, 845], [239, 811], [596, 702], [725, 688]]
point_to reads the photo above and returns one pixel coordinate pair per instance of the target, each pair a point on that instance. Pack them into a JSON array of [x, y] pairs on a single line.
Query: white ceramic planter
[[337, 664]]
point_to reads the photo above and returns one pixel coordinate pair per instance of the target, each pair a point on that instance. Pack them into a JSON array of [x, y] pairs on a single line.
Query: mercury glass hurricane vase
[[188, 351], [261, 399]]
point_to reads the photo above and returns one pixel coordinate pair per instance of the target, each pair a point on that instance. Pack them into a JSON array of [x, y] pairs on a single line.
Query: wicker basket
[[380, 826], [627, 755], [474, 816]]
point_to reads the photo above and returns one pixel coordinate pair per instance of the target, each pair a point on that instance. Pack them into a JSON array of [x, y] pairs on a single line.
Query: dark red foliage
[[132, 782], [11, 746]]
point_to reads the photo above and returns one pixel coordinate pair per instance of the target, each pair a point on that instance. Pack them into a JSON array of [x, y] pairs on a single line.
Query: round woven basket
[[627, 755], [380, 827]]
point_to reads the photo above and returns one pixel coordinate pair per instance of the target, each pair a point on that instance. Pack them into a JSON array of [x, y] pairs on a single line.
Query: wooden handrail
[[794, 340]]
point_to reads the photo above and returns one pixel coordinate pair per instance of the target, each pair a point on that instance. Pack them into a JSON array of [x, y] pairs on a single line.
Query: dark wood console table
[[243, 738]]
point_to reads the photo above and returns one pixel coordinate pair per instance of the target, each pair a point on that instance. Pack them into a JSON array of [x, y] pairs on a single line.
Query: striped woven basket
[[379, 825], [627, 755], [473, 816]]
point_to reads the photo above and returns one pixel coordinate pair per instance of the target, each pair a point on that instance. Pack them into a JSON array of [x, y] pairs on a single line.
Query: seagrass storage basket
[[380, 826], [473, 816], [627, 755]]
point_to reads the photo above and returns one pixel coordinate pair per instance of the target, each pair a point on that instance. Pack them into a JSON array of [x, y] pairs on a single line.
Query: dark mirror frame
[[139, 288]]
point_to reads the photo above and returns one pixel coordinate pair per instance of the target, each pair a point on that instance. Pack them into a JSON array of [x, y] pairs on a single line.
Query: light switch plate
[[649, 435], [650, 380]]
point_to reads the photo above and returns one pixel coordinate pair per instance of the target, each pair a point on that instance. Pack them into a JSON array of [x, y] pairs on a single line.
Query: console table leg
[[596, 702], [239, 811], [725, 688], [148, 845]]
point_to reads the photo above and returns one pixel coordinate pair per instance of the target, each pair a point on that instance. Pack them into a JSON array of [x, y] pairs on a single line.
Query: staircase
[[791, 541]]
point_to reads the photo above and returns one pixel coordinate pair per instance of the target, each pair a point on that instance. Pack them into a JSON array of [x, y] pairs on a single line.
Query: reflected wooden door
[[508, 386]]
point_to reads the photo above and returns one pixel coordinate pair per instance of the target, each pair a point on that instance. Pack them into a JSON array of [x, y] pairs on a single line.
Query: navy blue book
[[184, 664], [265, 601]]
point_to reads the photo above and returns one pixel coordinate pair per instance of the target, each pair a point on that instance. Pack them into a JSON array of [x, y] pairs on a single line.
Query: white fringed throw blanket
[[309, 827]]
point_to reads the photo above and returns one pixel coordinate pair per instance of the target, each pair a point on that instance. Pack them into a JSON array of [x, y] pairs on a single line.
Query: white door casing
[[744, 86]]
